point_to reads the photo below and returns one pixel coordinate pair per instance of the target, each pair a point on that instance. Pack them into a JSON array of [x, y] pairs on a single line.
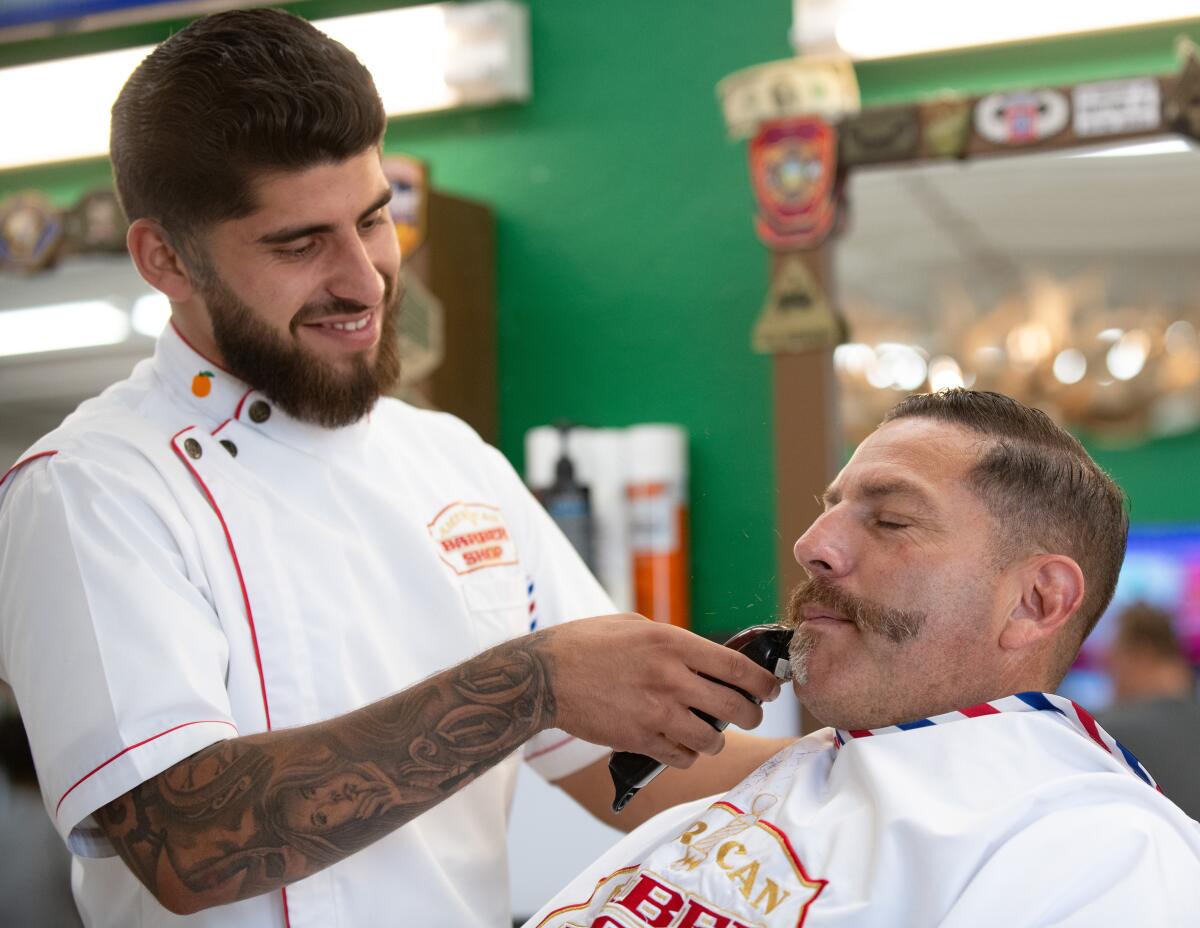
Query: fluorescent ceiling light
[[61, 326], [423, 58], [867, 29]]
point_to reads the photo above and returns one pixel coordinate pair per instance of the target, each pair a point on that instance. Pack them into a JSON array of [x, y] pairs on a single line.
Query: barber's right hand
[[629, 683]]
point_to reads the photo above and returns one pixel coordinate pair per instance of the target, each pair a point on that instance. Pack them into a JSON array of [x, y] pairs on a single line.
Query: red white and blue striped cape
[[1071, 713]]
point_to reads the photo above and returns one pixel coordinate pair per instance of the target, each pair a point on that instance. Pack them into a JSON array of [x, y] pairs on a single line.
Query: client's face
[[900, 615]]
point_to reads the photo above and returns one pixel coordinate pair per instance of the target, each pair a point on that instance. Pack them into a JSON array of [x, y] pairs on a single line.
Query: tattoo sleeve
[[250, 815]]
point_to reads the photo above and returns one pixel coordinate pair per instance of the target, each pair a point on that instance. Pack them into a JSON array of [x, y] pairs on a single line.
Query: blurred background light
[[83, 324], [867, 29], [1069, 366], [423, 58], [1127, 357], [944, 374], [1156, 147], [150, 314]]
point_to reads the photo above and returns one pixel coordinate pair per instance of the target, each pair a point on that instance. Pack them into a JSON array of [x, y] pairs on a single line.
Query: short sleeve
[[116, 658], [561, 588], [1115, 863]]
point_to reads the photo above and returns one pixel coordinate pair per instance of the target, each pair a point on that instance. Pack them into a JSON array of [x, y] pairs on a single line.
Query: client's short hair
[[1043, 490]]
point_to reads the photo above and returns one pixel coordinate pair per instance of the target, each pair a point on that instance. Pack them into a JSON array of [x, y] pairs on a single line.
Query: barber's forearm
[[252, 814]]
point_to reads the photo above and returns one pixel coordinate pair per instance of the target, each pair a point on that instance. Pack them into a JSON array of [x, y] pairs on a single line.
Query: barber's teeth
[[350, 326]]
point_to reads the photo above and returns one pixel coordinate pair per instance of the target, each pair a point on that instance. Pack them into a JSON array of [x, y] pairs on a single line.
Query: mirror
[[1070, 281]]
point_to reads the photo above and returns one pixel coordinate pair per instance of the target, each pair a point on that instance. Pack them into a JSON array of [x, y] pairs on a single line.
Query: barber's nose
[[358, 279], [823, 549]]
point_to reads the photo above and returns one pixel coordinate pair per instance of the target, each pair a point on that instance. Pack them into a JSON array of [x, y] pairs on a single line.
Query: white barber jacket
[[181, 562], [1016, 813]]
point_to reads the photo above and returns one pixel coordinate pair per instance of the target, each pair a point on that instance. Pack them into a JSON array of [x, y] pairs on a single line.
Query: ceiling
[[978, 230]]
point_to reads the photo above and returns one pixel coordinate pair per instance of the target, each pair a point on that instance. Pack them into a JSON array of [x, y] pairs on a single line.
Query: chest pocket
[[497, 601]]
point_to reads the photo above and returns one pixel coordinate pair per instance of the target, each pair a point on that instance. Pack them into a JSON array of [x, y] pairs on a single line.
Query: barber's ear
[[160, 265], [1051, 591]]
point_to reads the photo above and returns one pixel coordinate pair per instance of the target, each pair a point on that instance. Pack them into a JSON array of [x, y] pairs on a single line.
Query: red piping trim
[[262, 680], [237, 566], [138, 745], [809, 881], [24, 461], [583, 905], [554, 747], [184, 339], [221, 426], [237, 413]]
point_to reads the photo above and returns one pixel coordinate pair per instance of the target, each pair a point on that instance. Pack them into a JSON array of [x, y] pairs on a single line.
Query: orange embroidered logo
[[472, 536], [202, 383]]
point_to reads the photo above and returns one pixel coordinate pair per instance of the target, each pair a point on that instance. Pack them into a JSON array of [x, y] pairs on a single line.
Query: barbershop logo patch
[[472, 536], [730, 869]]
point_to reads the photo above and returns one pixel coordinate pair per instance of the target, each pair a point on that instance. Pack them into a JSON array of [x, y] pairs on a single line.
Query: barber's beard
[[897, 625], [302, 384]]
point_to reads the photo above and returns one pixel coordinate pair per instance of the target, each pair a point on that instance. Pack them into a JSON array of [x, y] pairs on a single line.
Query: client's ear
[[1051, 591]]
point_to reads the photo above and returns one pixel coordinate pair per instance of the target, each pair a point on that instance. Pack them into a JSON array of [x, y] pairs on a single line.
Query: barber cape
[[1018, 812]]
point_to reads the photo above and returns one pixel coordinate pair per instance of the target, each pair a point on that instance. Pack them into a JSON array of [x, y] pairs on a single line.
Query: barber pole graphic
[[1071, 713], [793, 168], [533, 612]]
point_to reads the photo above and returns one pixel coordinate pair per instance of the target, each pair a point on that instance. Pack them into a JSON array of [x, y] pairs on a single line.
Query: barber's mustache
[[393, 296], [898, 625]]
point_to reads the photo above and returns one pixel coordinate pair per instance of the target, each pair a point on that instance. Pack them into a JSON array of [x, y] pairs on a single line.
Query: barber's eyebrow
[[878, 489], [282, 236]]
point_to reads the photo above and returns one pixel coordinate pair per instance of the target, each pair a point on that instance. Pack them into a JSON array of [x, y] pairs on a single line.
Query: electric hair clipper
[[766, 645]]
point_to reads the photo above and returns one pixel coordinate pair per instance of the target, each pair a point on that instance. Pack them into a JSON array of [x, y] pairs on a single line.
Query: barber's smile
[[355, 332]]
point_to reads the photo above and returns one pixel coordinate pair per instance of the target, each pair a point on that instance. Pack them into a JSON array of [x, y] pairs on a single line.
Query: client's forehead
[[915, 458]]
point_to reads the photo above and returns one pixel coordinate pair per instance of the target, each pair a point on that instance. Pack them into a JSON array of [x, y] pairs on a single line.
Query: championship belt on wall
[[95, 224], [31, 231], [793, 169]]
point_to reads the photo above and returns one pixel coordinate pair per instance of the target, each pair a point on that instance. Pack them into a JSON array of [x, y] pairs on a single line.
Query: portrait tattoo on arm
[[249, 815]]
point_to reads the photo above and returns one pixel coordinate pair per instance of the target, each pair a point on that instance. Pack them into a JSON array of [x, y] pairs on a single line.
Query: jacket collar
[[220, 399]]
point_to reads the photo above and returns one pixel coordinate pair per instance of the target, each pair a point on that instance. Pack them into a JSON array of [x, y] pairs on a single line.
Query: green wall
[[629, 274]]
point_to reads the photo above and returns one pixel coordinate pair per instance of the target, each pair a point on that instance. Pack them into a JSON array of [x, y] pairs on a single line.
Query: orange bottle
[[658, 513]]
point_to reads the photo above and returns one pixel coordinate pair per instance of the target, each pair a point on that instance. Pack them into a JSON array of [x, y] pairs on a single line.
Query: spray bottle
[[658, 507], [568, 501]]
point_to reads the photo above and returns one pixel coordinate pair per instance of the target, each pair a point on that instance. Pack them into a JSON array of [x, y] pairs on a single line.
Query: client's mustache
[[894, 624]]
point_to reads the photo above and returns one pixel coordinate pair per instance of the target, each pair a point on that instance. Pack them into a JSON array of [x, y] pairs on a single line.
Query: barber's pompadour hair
[[1041, 486], [228, 98]]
